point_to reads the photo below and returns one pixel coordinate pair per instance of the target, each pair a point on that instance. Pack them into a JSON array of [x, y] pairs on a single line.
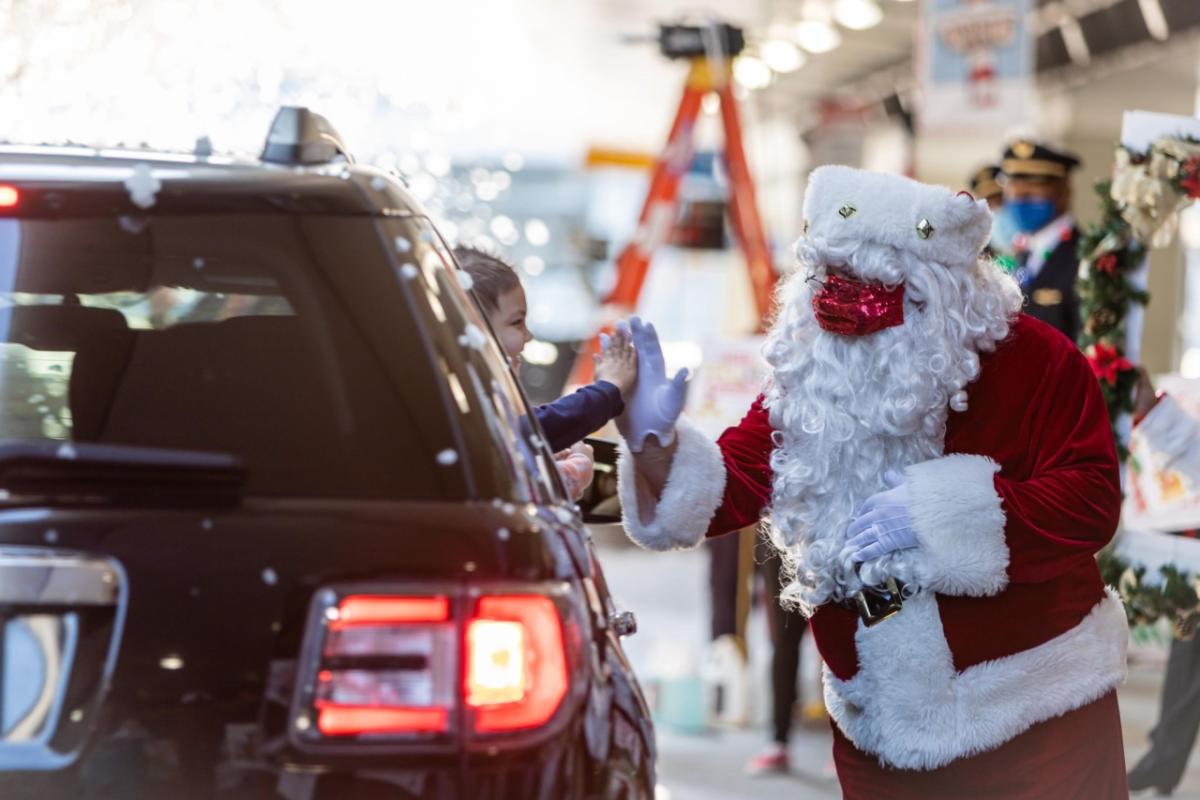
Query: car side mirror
[[600, 503]]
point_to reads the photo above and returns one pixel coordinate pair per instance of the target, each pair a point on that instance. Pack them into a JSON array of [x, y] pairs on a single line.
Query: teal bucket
[[681, 704]]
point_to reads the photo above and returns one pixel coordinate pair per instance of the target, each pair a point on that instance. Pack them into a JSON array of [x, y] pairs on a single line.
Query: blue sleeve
[[569, 419]]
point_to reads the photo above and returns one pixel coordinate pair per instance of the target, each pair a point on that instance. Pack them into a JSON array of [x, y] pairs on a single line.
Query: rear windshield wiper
[[82, 473]]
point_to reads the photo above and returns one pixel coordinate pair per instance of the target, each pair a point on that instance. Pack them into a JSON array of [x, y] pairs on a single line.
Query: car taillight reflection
[[9, 196], [395, 666], [496, 662], [516, 663]]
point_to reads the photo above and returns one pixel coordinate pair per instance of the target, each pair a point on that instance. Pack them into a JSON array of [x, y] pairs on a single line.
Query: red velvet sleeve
[[1068, 506], [746, 451]]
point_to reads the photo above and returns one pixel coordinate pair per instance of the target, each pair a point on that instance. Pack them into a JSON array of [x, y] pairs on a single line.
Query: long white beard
[[848, 409]]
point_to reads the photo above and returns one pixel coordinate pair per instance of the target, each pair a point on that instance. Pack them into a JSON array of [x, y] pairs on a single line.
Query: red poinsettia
[[1189, 177], [1107, 363], [1107, 263]]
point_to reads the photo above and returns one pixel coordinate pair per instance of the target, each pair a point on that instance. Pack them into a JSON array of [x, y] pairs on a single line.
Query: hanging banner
[[975, 63]]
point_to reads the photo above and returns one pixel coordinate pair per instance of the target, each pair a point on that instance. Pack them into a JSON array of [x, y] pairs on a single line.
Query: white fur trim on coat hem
[[909, 707], [959, 523], [695, 486]]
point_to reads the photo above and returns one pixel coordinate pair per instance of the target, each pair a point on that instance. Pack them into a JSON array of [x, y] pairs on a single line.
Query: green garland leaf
[[1106, 294]]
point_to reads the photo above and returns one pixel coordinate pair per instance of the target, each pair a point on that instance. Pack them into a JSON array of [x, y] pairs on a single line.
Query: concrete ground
[[668, 594]]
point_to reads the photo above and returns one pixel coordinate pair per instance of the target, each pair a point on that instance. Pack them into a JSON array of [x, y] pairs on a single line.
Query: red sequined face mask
[[854, 308]]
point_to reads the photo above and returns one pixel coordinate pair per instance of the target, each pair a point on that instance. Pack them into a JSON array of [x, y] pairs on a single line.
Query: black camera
[[694, 41]]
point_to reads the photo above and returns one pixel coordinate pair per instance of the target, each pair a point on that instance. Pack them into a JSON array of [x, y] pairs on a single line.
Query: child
[[569, 419]]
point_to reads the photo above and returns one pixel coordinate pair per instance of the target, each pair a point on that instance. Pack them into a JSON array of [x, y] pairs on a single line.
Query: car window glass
[[166, 335]]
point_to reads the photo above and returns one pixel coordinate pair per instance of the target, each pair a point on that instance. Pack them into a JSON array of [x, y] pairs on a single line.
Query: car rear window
[[290, 341]]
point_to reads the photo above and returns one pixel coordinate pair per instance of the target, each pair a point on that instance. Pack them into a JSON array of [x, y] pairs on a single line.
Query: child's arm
[[571, 418]]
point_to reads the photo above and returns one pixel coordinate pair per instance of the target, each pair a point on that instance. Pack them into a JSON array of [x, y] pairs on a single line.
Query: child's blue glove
[[656, 402]]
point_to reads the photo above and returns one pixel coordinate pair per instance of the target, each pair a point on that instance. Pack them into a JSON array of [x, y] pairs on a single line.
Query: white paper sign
[[1161, 491], [1140, 129], [726, 384]]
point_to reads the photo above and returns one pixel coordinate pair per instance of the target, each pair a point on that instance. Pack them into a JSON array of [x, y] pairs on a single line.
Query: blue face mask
[[1004, 230], [1031, 216]]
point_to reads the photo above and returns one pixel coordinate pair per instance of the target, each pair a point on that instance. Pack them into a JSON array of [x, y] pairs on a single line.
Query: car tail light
[[355, 720], [428, 665], [516, 674], [387, 666], [9, 196]]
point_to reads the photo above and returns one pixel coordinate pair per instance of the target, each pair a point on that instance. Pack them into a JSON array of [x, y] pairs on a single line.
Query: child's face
[[508, 321]]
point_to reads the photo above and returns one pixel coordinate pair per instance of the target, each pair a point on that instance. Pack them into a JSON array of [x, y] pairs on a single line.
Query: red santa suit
[[997, 681]]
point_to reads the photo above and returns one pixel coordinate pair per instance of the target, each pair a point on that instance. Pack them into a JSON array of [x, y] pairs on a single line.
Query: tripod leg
[[743, 208], [658, 213], [657, 218]]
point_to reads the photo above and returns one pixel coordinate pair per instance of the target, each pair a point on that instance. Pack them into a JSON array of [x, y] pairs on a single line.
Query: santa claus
[[938, 471]]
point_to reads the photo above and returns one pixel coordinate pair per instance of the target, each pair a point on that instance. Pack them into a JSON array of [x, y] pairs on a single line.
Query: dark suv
[[275, 519]]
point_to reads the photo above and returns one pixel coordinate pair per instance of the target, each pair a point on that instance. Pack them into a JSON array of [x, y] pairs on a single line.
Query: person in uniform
[[985, 184], [1037, 200]]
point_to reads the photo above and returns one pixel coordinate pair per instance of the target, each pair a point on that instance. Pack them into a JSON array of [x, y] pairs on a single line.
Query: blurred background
[[531, 127]]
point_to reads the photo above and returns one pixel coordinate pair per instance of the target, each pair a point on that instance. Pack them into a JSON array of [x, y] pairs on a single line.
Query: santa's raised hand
[[657, 401], [883, 524]]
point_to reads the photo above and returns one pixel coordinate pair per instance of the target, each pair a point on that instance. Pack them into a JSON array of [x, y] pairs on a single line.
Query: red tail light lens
[[384, 610], [9, 196], [516, 667], [351, 721], [432, 667], [387, 666]]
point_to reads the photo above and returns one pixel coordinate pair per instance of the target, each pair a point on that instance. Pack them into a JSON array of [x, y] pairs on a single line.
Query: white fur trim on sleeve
[[695, 486], [959, 523]]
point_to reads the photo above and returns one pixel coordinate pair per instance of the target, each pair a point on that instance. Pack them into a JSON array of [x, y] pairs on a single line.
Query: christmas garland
[[1139, 211], [1176, 597]]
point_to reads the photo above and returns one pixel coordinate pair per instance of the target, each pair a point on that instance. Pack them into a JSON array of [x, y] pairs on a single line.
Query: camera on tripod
[[695, 41]]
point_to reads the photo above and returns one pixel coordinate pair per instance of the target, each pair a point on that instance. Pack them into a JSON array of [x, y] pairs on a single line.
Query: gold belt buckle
[[877, 603]]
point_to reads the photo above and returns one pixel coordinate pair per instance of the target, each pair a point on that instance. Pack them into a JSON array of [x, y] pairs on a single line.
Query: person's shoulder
[[1032, 343], [1030, 332]]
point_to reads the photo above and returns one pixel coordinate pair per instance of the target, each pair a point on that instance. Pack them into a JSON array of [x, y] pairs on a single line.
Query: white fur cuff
[[908, 706], [959, 522], [695, 486]]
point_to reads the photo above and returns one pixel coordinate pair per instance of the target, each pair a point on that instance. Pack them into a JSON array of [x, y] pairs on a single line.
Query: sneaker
[[772, 761]]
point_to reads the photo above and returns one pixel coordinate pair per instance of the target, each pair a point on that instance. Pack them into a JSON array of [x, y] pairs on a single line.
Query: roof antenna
[[302, 137]]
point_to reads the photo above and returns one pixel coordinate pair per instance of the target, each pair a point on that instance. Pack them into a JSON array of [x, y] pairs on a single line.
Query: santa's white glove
[[883, 524], [657, 400]]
